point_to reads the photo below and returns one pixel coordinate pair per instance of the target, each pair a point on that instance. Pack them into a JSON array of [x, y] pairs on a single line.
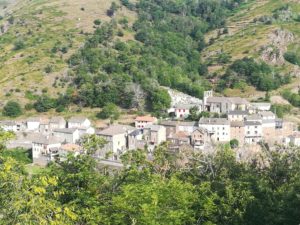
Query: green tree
[[110, 111], [12, 109], [234, 143]]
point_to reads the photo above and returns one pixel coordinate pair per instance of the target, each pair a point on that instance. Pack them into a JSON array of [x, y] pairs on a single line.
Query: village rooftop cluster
[[248, 123]]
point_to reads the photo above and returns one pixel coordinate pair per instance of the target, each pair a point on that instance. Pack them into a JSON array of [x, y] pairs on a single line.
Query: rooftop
[[238, 112], [214, 121], [233, 100], [77, 119], [115, 130], [237, 124], [266, 114], [34, 119], [146, 118], [186, 105], [153, 127], [57, 119], [65, 130], [254, 117], [179, 135], [174, 123], [8, 123], [71, 147], [257, 104], [201, 129], [47, 140], [252, 123]]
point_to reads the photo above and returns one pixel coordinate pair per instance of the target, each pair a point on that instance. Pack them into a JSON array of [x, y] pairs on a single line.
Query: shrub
[[28, 106], [18, 45], [44, 104], [12, 109], [234, 143], [97, 22], [48, 69], [292, 58], [110, 111]]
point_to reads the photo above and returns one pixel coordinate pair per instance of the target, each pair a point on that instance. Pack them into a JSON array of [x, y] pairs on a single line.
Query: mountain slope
[[36, 39], [264, 30]]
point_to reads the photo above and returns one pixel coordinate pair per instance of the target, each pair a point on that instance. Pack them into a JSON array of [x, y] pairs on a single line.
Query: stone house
[[237, 115], [182, 110], [237, 131], [223, 105], [170, 125], [176, 126], [79, 122], [154, 135], [57, 122], [12, 126], [256, 107], [177, 140], [201, 138], [219, 128], [68, 135], [136, 140], [66, 149], [117, 140], [142, 121], [42, 146]]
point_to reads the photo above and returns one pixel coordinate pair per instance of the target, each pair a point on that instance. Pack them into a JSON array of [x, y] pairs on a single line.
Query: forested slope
[[168, 189], [90, 54]]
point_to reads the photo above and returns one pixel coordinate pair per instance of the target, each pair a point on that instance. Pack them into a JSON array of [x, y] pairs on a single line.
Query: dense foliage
[[12, 109], [164, 190], [169, 36], [293, 98], [259, 75], [292, 57]]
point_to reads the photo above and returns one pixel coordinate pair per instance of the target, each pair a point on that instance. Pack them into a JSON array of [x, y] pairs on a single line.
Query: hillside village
[[230, 118]]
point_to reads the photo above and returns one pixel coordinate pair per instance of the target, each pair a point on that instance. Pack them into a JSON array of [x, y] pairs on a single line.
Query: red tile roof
[[146, 118]]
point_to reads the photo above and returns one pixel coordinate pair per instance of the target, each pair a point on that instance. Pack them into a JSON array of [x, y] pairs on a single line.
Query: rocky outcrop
[[273, 52]]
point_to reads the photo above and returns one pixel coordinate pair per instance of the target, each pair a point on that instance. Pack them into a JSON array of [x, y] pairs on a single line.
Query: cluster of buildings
[[48, 138], [234, 118]]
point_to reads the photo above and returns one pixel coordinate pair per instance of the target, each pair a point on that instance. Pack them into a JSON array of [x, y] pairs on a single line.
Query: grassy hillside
[[37, 36], [252, 29]]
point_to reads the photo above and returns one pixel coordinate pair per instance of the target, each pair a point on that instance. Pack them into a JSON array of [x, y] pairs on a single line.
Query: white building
[[57, 123], [267, 115], [33, 124], [218, 127], [259, 106], [79, 122], [42, 146], [183, 110], [10, 126], [86, 131], [237, 115], [142, 121], [68, 135], [253, 132]]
